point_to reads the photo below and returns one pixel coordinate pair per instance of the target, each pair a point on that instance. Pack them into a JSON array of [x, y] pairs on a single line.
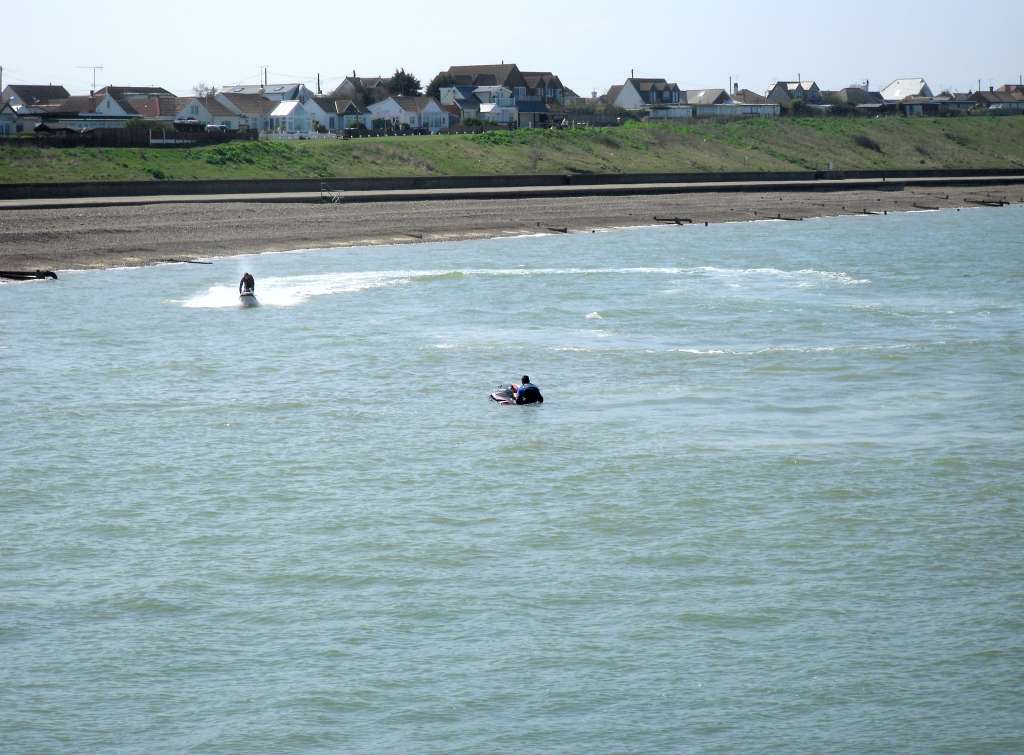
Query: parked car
[[216, 128]]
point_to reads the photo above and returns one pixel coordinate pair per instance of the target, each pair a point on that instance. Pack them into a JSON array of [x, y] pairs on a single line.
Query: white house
[[278, 92], [84, 112], [900, 89], [28, 95], [8, 120], [414, 112], [292, 116], [492, 112]]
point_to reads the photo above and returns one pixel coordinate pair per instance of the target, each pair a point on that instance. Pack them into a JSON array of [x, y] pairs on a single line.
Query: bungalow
[[29, 95], [295, 117], [787, 92], [900, 89], [413, 112], [84, 112], [341, 113], [206, 111], [253, 109], [638, 94]]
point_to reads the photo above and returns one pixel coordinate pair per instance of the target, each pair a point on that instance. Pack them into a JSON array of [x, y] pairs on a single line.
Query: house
[[953, 102], [462, 98], [1000, 103], [1011, 88], [505, 115], [411, 112], [363, 88], [30, 95], [208, 110], [84, 112], [505, 75], [785, 93], [295, 117], [341, 113], [253, 109], [900, 89], [638, 94]]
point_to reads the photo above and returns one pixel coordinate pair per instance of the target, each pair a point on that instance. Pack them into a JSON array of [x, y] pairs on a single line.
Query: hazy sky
[[590, 44]]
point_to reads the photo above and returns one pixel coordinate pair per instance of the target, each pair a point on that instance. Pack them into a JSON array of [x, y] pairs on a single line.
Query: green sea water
[[772, 503]]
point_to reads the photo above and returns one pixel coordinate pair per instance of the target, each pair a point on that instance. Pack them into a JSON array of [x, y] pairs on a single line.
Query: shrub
[[865, 141]]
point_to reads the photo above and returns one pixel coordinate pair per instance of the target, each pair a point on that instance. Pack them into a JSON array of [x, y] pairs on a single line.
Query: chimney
[[736, 87], [631, 73]]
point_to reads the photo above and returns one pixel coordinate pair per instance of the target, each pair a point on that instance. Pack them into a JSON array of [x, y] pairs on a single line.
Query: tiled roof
[[250, 104], [117, 92], [413, 104], [32, 94]]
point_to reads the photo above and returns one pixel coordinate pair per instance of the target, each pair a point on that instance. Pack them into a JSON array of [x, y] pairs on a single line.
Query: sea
[[772, 503]]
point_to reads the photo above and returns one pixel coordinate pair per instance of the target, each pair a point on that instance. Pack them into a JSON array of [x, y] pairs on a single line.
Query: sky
[[590, 44]]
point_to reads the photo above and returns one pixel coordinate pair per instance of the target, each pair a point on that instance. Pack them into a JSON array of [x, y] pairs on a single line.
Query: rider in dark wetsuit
[[247, 285], [528, 393]]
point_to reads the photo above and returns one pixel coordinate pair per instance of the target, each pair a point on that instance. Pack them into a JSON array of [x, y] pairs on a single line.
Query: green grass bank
[[749, 145]]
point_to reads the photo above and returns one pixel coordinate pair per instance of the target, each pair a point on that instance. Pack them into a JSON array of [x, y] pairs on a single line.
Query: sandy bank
[[81, 238]]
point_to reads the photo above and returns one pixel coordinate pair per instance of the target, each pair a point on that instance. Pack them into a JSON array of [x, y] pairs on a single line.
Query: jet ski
[[504, 394], [248, 299]]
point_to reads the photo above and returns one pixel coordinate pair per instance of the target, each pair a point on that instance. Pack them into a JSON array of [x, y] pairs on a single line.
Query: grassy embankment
[[750, 145]]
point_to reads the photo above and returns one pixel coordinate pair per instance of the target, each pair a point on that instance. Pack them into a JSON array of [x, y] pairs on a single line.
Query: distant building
[[900, 89], [1000, 103], [355, 88], [639, 94], [707, 97], [785, 93], [253, 110], [412, 112], [543, 86], [30, 95], [205, 111]]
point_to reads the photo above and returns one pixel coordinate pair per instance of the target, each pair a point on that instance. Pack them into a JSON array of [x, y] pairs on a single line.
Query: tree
[[443, 79], [202, 90], [405, 84]]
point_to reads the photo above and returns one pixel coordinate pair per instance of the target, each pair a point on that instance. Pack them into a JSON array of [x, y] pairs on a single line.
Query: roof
[[32, 94], [157, 106], [72, 105], [287, 91], [250, 104], [706, 96], [535, 78], [487, 75], [748, 97], [614, 92], [901, 88], [285, 108], [994, 98], [413, 104], [213, 106], [117, 92]]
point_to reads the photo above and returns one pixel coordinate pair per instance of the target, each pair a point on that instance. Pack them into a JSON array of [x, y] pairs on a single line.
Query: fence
[[128, 137]]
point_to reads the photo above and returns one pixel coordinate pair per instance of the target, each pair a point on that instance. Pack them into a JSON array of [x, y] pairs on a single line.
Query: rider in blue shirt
[[528, 393]]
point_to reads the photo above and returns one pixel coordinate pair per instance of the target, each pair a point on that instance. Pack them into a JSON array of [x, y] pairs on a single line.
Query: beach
[[103, 237]]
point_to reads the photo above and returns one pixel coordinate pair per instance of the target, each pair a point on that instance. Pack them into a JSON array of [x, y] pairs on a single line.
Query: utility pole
[[94, 70], [263, 78]]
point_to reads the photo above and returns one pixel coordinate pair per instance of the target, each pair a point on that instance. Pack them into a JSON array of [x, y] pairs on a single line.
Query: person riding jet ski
[[527, 392], [247, 285]]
